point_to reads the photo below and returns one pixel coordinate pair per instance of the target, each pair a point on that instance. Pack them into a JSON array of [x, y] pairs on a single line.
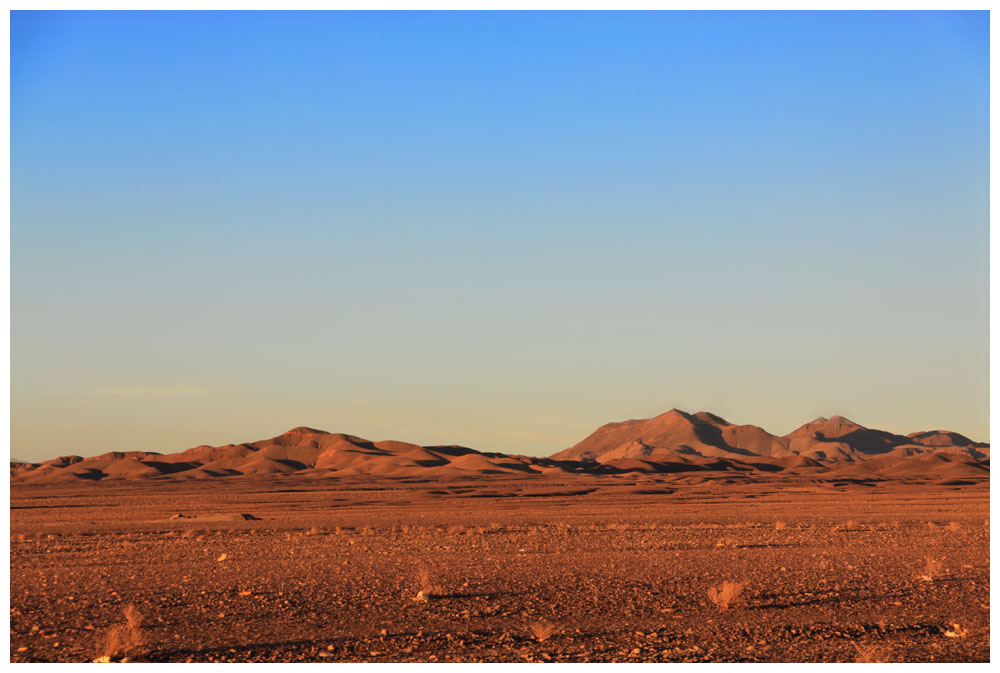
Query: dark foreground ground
[[600, 569]]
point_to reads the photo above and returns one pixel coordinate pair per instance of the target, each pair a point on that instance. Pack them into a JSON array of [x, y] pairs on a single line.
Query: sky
[[495, 229]]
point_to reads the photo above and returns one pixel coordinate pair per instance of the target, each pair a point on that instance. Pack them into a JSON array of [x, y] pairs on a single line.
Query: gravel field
[[501, 569]]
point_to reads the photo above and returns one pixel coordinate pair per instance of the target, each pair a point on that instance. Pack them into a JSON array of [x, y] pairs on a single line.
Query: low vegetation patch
[[542, 630], [123, 641], [428, 588], [871, 654], [725, 595], [931, 570]]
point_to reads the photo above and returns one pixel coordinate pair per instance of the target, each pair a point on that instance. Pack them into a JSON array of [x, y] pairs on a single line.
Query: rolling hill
[[671, 443]]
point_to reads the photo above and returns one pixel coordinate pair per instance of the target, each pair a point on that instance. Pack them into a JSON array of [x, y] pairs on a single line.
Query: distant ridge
[[826, 440], [673, 442]]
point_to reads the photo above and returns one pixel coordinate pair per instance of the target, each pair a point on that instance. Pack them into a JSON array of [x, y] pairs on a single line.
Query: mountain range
[[673, 442]]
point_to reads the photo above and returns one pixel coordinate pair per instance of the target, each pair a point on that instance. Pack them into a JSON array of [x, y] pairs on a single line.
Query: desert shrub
[[953, 526], [932, 569], [780, 525], [956, 630], [871, 654], [428, 588], [542, 630], [123, 640], [727, 542], [725, 595]]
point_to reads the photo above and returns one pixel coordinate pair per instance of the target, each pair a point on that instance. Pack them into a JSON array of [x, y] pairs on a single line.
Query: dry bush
[[780, 525], [932, 569], [123, 640], [542, 630], [956, 630], [727, 542], [954, 526], [871, 654], [428, 588], [314, 531], [725, 595]]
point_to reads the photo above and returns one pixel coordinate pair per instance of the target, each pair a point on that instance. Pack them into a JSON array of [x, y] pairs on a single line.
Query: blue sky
[[496, 229]]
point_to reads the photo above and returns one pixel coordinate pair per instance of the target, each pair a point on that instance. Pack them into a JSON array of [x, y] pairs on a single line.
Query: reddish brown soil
[[619, 565]]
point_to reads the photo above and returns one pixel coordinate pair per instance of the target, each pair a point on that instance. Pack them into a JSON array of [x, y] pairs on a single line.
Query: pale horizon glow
[[501, 230]]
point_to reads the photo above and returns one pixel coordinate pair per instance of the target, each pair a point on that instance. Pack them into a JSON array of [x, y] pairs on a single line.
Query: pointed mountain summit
[[675, 433], [840, 438]]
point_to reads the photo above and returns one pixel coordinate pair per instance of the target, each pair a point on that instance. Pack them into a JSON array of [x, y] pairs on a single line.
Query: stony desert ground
[[503, 567]]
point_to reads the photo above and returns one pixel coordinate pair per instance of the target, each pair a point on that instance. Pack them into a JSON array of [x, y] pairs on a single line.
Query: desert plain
[[674, 550]]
